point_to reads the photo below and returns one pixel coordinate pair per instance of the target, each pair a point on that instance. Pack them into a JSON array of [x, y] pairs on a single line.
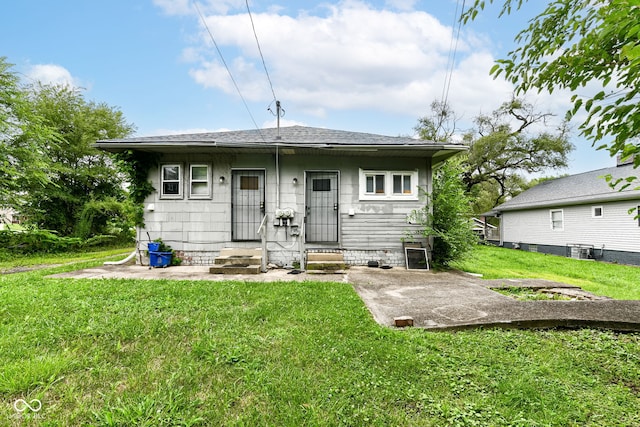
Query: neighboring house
[[483, 229], [292, 190], [578, 215], [8, 216]]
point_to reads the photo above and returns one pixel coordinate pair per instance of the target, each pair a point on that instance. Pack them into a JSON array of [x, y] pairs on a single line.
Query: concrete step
[[241, 252], [235, 269], [238, 259], [325, 256], [325, 265]]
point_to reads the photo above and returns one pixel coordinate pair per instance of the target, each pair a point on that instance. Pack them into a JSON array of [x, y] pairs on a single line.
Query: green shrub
[[447, 217]]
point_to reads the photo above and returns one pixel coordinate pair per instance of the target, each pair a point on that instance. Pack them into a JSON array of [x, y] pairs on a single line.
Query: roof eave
[[614, 197], [440, 151]]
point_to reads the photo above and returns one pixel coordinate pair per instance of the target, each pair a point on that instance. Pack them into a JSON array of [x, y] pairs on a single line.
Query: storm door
[[321, 201], [247, 203]]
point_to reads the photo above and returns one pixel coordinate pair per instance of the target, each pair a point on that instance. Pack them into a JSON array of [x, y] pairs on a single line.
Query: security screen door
[[321, 207], [247, 203]]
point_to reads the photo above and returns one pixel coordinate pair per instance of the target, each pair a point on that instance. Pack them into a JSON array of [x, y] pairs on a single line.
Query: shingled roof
[[298, 139], [583, 188]]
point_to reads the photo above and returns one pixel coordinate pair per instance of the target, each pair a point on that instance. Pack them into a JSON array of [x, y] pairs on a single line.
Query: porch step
[[241, 252], [235, 269], [325, 256], [325, 262], [237, 261]]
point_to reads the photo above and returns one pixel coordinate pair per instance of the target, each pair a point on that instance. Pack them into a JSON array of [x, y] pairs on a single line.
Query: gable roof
[[289, 140], [583, 188]]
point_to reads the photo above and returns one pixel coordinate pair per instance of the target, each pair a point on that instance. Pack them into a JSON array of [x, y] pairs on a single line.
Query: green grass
[[14, 262], [154, 353], [612, 280]]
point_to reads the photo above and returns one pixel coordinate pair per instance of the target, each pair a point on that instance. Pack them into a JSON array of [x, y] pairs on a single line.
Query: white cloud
[[351, 56], [52, 74]]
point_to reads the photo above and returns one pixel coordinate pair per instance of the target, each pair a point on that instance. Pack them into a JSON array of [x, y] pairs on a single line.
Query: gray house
[[288, 191], [579, 216]]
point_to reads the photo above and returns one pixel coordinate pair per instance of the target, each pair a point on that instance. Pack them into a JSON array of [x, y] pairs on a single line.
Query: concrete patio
[[432, 300]]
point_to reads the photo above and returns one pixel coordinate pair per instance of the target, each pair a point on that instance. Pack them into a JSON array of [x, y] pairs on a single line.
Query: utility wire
[[260, 51], [453, 47], [204, 22]]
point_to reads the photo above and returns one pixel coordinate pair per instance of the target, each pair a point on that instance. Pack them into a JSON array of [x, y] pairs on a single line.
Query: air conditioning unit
[[585, 253], [581, 251]]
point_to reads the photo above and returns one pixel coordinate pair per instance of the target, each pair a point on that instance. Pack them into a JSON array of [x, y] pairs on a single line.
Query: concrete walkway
[[434, 301]]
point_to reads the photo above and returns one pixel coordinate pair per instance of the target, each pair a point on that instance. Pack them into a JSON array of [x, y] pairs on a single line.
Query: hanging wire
[[204, 22], [260, 50], [453, 47]]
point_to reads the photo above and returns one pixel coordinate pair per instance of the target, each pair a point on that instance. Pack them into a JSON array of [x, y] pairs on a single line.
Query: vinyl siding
[[616, 229]]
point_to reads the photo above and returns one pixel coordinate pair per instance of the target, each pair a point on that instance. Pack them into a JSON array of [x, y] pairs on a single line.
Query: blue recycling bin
[[159, 259]]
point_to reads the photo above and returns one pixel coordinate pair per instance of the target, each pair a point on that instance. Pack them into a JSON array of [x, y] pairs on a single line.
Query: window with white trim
[[171, 181], [375, 183], [391, 185], [557, 219], [199, 181], [597, 212]]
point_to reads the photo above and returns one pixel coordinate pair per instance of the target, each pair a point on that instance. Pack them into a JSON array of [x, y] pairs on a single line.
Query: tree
[[24, 137], [503, 145], [575, 43], [449, 220], [500, 151], [440, 126], [79, 173]]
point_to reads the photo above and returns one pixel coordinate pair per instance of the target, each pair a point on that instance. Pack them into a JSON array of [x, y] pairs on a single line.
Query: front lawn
[[612, 280], [127, 352]]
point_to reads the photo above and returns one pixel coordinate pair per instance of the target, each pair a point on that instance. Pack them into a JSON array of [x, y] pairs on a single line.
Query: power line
[[453, 47], [260, 51], [204, 22]]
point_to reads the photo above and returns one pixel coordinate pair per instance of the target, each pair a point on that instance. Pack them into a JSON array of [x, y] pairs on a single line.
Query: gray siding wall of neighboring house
[[199, 228], [616, 229]]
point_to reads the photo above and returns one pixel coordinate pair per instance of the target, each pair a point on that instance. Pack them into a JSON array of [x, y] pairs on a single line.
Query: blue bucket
[[159, 259], [153, 246]]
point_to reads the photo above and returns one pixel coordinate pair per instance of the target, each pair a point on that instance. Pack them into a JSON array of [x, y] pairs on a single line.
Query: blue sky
[[359, 65]]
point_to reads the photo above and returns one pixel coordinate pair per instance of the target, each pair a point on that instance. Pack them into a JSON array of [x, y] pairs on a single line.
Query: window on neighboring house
[[393, 185], [199, 182], [557, 219], [597, 212], [638, 215], [171, 181]]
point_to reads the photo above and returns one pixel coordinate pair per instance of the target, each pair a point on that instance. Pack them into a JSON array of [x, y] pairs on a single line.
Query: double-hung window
[[389, 185], [557, 219], [171, 181], [199, 181]]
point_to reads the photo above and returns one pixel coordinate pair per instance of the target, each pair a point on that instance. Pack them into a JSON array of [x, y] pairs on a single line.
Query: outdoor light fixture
[[221, 180], [295, 181]]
